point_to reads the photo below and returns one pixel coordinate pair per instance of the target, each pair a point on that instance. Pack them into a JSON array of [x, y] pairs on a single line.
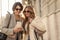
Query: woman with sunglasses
[[14, 28], [32, 30]]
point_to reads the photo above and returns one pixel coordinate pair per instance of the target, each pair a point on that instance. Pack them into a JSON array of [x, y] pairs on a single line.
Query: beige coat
[[9, 31], [38, 26]]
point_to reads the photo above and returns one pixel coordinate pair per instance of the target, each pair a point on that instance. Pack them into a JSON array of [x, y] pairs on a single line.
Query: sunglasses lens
[[18, 9], [27, 11]]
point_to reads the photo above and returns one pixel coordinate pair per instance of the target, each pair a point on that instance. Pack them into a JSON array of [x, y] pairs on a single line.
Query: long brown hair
[[32, 15]]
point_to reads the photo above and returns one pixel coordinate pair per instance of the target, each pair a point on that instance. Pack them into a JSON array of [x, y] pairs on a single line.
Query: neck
[[17, 17]]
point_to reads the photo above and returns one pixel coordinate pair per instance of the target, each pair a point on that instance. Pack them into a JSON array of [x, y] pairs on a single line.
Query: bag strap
[[36, 35], [9, 20]]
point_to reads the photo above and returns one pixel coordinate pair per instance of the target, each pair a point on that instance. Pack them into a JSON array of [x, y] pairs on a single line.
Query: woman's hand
[[30, 20], [17, 28]]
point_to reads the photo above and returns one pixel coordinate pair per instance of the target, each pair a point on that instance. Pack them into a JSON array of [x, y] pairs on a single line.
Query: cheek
[[27, 15], [16, 12]]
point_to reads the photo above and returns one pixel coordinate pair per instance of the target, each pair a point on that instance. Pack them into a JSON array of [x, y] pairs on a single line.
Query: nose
[[18, 10]]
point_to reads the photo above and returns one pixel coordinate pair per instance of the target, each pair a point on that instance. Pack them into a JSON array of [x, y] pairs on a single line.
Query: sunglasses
[[27, 11], [18, 9]]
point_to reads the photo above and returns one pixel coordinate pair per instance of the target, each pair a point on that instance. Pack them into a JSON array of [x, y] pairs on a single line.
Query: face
[[27, 12], [17, 10]]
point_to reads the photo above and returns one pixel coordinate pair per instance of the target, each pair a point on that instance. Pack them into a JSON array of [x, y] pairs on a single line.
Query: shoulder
[[36, 20], [8, 15]]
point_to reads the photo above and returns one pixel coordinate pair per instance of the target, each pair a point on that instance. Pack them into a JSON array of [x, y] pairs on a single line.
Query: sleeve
[[4, 29], [38, 25]]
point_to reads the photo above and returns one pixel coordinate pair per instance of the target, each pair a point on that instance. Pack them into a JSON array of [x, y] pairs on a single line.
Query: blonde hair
[[31, 8]]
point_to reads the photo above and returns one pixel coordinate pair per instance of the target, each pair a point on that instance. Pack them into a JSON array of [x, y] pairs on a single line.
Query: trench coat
[[36, 26], [9, 31]]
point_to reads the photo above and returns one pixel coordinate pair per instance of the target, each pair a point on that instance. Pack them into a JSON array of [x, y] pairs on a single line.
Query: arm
[[4, 29], [38, 25]]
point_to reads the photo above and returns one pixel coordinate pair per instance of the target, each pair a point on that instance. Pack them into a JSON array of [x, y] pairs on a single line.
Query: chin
[[18, 13], [27, 16]]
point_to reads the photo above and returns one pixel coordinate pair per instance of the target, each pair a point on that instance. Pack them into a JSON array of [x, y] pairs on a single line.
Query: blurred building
[[0, 11], [49, 11]]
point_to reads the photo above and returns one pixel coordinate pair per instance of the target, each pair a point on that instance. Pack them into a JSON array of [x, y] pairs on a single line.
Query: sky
[[7, 6]]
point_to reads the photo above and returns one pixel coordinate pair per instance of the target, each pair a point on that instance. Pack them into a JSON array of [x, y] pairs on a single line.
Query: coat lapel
[[12, 21]]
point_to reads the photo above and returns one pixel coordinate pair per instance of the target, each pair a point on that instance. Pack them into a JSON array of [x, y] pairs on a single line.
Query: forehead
[[18, 6], [27, 9]]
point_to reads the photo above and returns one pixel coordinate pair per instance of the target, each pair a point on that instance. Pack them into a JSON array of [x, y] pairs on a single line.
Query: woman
[[32, 30], [14, 28]]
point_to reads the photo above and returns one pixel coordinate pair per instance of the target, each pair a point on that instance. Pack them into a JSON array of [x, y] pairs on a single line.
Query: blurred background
[[48, 10]]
